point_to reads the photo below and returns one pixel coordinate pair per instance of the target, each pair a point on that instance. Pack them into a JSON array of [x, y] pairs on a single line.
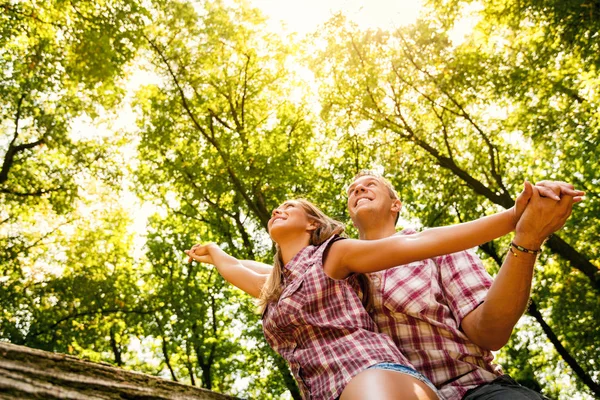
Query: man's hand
[[542, 217], [554, 190], [548, 205]]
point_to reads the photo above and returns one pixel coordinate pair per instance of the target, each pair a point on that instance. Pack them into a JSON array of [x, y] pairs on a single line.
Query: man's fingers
[[566, 201], [523, 199], [535, 192], [566, 204], [527, 192]]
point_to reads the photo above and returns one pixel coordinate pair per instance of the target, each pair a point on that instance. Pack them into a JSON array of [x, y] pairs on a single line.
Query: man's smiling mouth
[[362, 200]]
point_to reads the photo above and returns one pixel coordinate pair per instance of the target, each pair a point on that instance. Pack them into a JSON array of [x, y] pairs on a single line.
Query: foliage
[[230, 127], [59, 60]]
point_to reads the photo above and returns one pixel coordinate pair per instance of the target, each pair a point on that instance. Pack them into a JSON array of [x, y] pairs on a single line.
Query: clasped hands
[[542, 209]]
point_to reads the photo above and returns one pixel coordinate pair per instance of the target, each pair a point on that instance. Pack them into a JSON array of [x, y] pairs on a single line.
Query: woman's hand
[[230, 268], [556, 189], [200, 253], [523, 200]]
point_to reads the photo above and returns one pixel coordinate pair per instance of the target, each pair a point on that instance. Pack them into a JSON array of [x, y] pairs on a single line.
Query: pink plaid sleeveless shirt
[[320, 327]]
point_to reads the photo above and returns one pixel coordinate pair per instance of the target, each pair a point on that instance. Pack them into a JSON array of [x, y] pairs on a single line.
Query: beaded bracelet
[[522, 249]]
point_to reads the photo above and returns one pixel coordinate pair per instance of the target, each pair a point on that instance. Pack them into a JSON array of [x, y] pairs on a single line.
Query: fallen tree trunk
[[27, 373]]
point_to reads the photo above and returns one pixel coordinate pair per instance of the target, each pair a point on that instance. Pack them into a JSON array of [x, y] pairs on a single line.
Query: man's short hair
[[392, 192]]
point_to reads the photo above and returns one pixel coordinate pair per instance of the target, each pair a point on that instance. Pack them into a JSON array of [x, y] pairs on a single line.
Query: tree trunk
[[288, 379], [27, 373]]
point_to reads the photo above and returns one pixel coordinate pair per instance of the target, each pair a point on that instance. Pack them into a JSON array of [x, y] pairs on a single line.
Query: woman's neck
[[291, 246]]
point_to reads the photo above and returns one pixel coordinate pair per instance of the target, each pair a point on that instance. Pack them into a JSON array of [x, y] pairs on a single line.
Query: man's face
[[369, 197]]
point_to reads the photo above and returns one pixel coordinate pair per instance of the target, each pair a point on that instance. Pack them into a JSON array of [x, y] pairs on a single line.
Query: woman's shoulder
[[326, 245]]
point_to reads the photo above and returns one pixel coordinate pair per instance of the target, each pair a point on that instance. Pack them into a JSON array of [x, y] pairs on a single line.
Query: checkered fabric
[[321, 328], [421, 305]]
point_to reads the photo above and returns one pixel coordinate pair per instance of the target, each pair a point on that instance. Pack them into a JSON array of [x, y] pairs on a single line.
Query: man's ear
[[396, 206]]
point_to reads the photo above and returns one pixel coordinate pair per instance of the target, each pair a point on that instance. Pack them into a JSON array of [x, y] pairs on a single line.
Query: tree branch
[[566, 356], [32, 334], [262, 214]]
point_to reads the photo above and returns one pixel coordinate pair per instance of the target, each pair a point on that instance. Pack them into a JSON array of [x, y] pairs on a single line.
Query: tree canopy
[[231, 119]]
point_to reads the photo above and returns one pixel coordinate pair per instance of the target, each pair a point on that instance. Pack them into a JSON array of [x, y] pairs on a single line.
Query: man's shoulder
[[406, 231]]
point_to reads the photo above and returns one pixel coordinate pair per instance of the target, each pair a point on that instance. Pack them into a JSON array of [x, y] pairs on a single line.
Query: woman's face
[[289, 218]]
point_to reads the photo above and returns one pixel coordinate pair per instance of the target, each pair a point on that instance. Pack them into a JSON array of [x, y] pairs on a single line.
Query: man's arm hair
[[490, 325]]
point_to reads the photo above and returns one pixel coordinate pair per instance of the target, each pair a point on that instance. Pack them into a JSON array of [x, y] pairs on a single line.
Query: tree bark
[[27, 373]]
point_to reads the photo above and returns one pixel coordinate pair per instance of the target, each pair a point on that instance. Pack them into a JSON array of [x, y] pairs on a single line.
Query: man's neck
[[374, 232]]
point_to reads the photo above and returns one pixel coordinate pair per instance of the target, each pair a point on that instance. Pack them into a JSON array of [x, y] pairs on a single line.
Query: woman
[[312, 314]]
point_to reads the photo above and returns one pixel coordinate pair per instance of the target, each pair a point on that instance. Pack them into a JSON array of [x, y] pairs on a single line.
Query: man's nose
[[359, 188]]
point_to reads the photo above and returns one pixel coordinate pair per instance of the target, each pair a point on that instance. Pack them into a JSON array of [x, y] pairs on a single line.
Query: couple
[[440, 317]]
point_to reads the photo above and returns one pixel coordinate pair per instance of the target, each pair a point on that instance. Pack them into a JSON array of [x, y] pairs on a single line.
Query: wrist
[[514, 219], [528, 241], [212, 248]]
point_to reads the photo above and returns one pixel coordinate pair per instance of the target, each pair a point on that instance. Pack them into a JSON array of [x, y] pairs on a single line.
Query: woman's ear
[[312, 226], [396, 206]]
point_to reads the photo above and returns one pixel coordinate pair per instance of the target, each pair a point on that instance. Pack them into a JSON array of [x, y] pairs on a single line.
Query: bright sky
[[305, 16]]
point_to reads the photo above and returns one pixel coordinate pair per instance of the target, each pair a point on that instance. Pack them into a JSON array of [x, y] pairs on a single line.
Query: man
[[447, 314]]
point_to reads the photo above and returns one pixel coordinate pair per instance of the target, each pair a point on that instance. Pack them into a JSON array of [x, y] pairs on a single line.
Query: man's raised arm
[[491, 323]]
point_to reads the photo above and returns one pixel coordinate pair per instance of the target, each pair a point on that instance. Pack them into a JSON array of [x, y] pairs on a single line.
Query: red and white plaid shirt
[[421, 305], [321, 328]]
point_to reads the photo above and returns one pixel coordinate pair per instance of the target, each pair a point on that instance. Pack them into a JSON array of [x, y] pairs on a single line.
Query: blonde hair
[[326, 227]]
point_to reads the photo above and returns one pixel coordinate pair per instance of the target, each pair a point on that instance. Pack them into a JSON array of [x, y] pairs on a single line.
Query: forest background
[[232, 118]]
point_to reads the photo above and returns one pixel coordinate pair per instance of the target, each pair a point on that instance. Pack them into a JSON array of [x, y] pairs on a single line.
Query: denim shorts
[[406, 370]]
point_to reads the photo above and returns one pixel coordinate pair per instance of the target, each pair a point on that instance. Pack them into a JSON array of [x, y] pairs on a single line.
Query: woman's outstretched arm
[[364, 256], [256, 266], [230, 268]]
